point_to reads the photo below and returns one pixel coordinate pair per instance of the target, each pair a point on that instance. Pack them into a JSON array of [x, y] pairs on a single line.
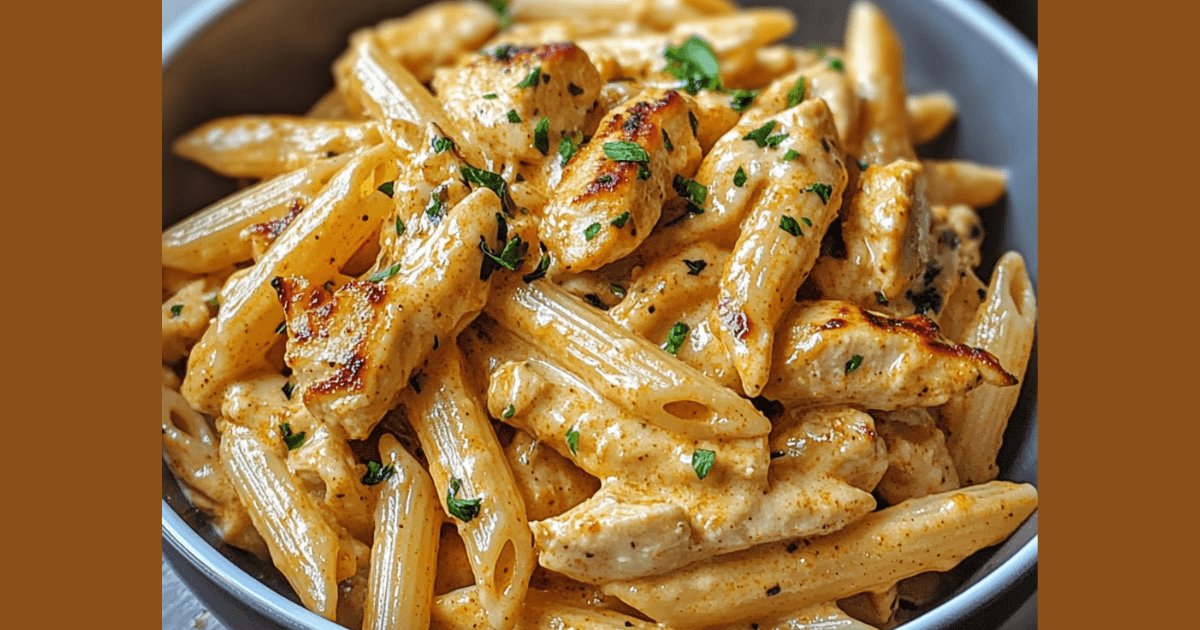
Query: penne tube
[[332, 471], [245, 327], [932, 533], [474, 482], [185, 316], [461, 27], [332, 106], [952, 182], [623, 368], [780, 238], [261, 147], [1004, 325], [463, 610], [404, 555], [209, 240], [354, 347], [656, 14], [302, 544], [830, 352], [961, 306], [875, 66], [929, 115], [825, 616], [877, 608]]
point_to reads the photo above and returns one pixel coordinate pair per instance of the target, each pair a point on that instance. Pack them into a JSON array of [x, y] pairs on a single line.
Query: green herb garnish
[[622, 151], [695, 63], [591, 231], [531, 79], [176, 310], [399, 226], [621, 220], [759, 136], [377, 474], [789, 225], [540, 271], [513, 117], [491, 96], [695, 266], [691, 190], [739, 178], [508, 413], [617, 290], [676, 337], [791, 155], [881, 298], [742, 99], [702, 461], [388, 188], [567, 148], [384, 274], [853, 363], [573, 441], [822, 190], [796, 95], [461, 509], [293, 440], [541, 135], [287, 390]]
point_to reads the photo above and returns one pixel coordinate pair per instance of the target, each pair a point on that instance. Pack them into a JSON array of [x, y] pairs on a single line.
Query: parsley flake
[[676, 337], [667, 141], [441, 145], [742, 99], [541, 136], [573, 441], [513, 117], [702, 461], [621, 220], [595, 301], [822, 190], [739, 178], [567, 148], [461, 509], [759, 136], [385, 273], [293, 440], [774, 140], [617, 290], [789, 225], [540, 271], [796, 95], [836, 64], [377, 474], [881, 298], [695, 63], [625, 152], [436, 209], [862, 166], [500, 8], [531, 80], [388, 188], [399, 226], [491, 96], [806, 221], [691, 190], [287, 390], [591, 231], [176, 310], [695, 266], [281, 328], [791, 155], [508, 413], [853, 363], [487, 179]]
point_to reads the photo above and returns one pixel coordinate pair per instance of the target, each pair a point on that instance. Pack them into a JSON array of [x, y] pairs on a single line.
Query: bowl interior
[[274, 56]]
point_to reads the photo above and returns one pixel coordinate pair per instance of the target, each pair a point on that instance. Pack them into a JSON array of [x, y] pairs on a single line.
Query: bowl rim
[[244, 587]]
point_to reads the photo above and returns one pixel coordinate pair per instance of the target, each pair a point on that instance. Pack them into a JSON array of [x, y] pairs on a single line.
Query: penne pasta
[[403, 557], [460, 27], [825, 616], [474, 483], [1004, 325], [929, 115], [262, 147], [875, 66], [549, 483], [932, 533], [953, 182], [463, 610]]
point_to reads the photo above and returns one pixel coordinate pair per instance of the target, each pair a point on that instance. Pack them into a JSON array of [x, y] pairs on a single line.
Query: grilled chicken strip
[[611, 195], [830, 352]]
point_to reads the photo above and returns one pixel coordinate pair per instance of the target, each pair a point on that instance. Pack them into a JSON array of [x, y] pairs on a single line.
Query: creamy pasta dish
[[598, 314]]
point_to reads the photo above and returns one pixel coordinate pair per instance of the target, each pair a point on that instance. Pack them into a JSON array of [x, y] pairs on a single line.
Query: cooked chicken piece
[[918, 461], [960, 228], [714, 115], [792, 205], [549, 483], [830, 352], [612, 191], [352, 350], [498, 102], [436, 34], [265, 146], [885, 241], [185, 316], [681, 288]]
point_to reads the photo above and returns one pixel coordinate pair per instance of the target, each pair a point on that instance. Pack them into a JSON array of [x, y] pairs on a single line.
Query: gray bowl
[[227, 57]]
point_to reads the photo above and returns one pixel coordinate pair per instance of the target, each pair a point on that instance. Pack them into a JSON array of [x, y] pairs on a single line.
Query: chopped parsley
[[759, 136], [739, 178], [822, 190], [573, 441], [694, 63], [742, 99], [702, 461], [862, 166], [508, 413], [176, 310], [621, 220], [567, 148], [667, 141], [881, 298], [791, 155], [491, 96], [500, 7], [399, 226], [617, 290], [385, 273], [377, 474], [441, 145], [531, 80], [853, 363], [623, 151], [541, 136], [695, 266], [487, 179], [293, 440], [511, 257], [513, 117], [676, 337], [796, 95], [691, 190], [287, 390], [540, 271], [281, 328], [591, 231], [806, 221], [789, 225], [643, 172], [774, 140], [436, 209], [836, 64], [388, 188], [213, 302], [595, 300]]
